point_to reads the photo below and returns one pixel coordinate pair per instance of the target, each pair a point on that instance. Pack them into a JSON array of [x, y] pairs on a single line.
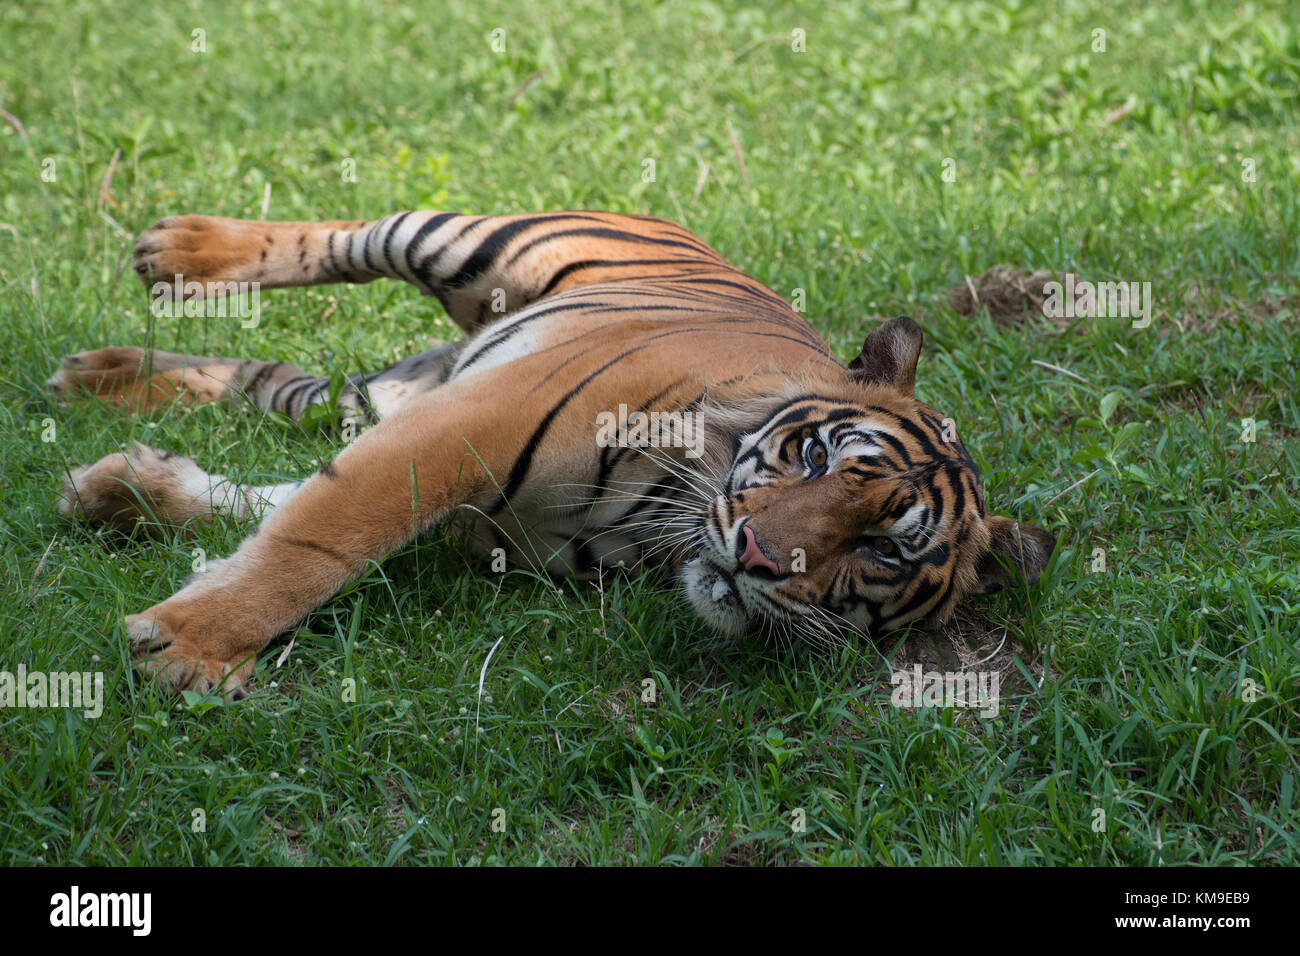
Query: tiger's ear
[[889, 355], [1015, 551]]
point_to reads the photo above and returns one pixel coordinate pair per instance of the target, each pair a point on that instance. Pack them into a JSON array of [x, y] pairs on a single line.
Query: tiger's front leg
[[402, 476]]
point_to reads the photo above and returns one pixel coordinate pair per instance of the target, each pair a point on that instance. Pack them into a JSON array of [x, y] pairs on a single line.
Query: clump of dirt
[[1009, 295], [971, 644]]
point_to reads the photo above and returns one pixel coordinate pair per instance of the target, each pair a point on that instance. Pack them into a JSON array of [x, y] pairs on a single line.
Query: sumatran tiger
[[780, 487]]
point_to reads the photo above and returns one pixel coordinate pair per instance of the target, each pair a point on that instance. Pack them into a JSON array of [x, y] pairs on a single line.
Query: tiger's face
[[853, 504]]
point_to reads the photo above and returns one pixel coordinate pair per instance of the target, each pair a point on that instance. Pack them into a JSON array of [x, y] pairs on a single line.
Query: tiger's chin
[[713, 593]]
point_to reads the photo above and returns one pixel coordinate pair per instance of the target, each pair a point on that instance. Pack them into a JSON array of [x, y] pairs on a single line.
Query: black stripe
[[501, 335], [584, 561], [347, 254], [431, 225], [525, 459], [893, 442], [365, 250], [252, 385], [329, 251], [428, 261], [757, 289], [388, 243], [609, 462], [936, 555], [309, 397], [819, 347], [926, 593], [319, 548], [928, 446], [654, 307], [487, 251], [286, 395], [602, 232], [572, 267]]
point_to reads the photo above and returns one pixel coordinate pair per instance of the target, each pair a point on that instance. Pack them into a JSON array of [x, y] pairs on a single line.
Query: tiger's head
[[854, 503]]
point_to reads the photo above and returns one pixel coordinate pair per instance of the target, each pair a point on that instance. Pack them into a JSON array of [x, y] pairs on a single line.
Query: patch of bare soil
[[967, 643], [1009, 295]]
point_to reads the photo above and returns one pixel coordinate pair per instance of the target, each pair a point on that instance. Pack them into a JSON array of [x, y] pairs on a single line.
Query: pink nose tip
[[752, 557]]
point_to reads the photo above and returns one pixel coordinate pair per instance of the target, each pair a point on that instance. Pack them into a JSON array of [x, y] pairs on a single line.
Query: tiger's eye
[[817, 454], [885, 546]]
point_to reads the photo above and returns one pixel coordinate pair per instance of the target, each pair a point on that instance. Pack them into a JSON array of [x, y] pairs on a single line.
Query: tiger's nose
[[749, 553]]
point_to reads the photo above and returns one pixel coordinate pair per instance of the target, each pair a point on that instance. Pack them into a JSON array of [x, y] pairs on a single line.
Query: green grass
[[1140, 709]]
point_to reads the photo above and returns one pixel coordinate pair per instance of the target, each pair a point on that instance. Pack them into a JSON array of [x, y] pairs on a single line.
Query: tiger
[[806, 496]]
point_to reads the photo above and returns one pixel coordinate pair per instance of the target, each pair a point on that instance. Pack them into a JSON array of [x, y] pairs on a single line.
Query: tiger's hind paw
[[98, 371], [126, 488]]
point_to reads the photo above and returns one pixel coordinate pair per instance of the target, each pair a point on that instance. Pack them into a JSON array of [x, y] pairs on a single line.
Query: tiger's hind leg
[[143, 484], [144, 380], [479, 267]]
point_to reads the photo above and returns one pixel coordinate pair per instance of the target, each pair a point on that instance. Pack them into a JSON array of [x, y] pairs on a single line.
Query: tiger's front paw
[[178, 665]]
